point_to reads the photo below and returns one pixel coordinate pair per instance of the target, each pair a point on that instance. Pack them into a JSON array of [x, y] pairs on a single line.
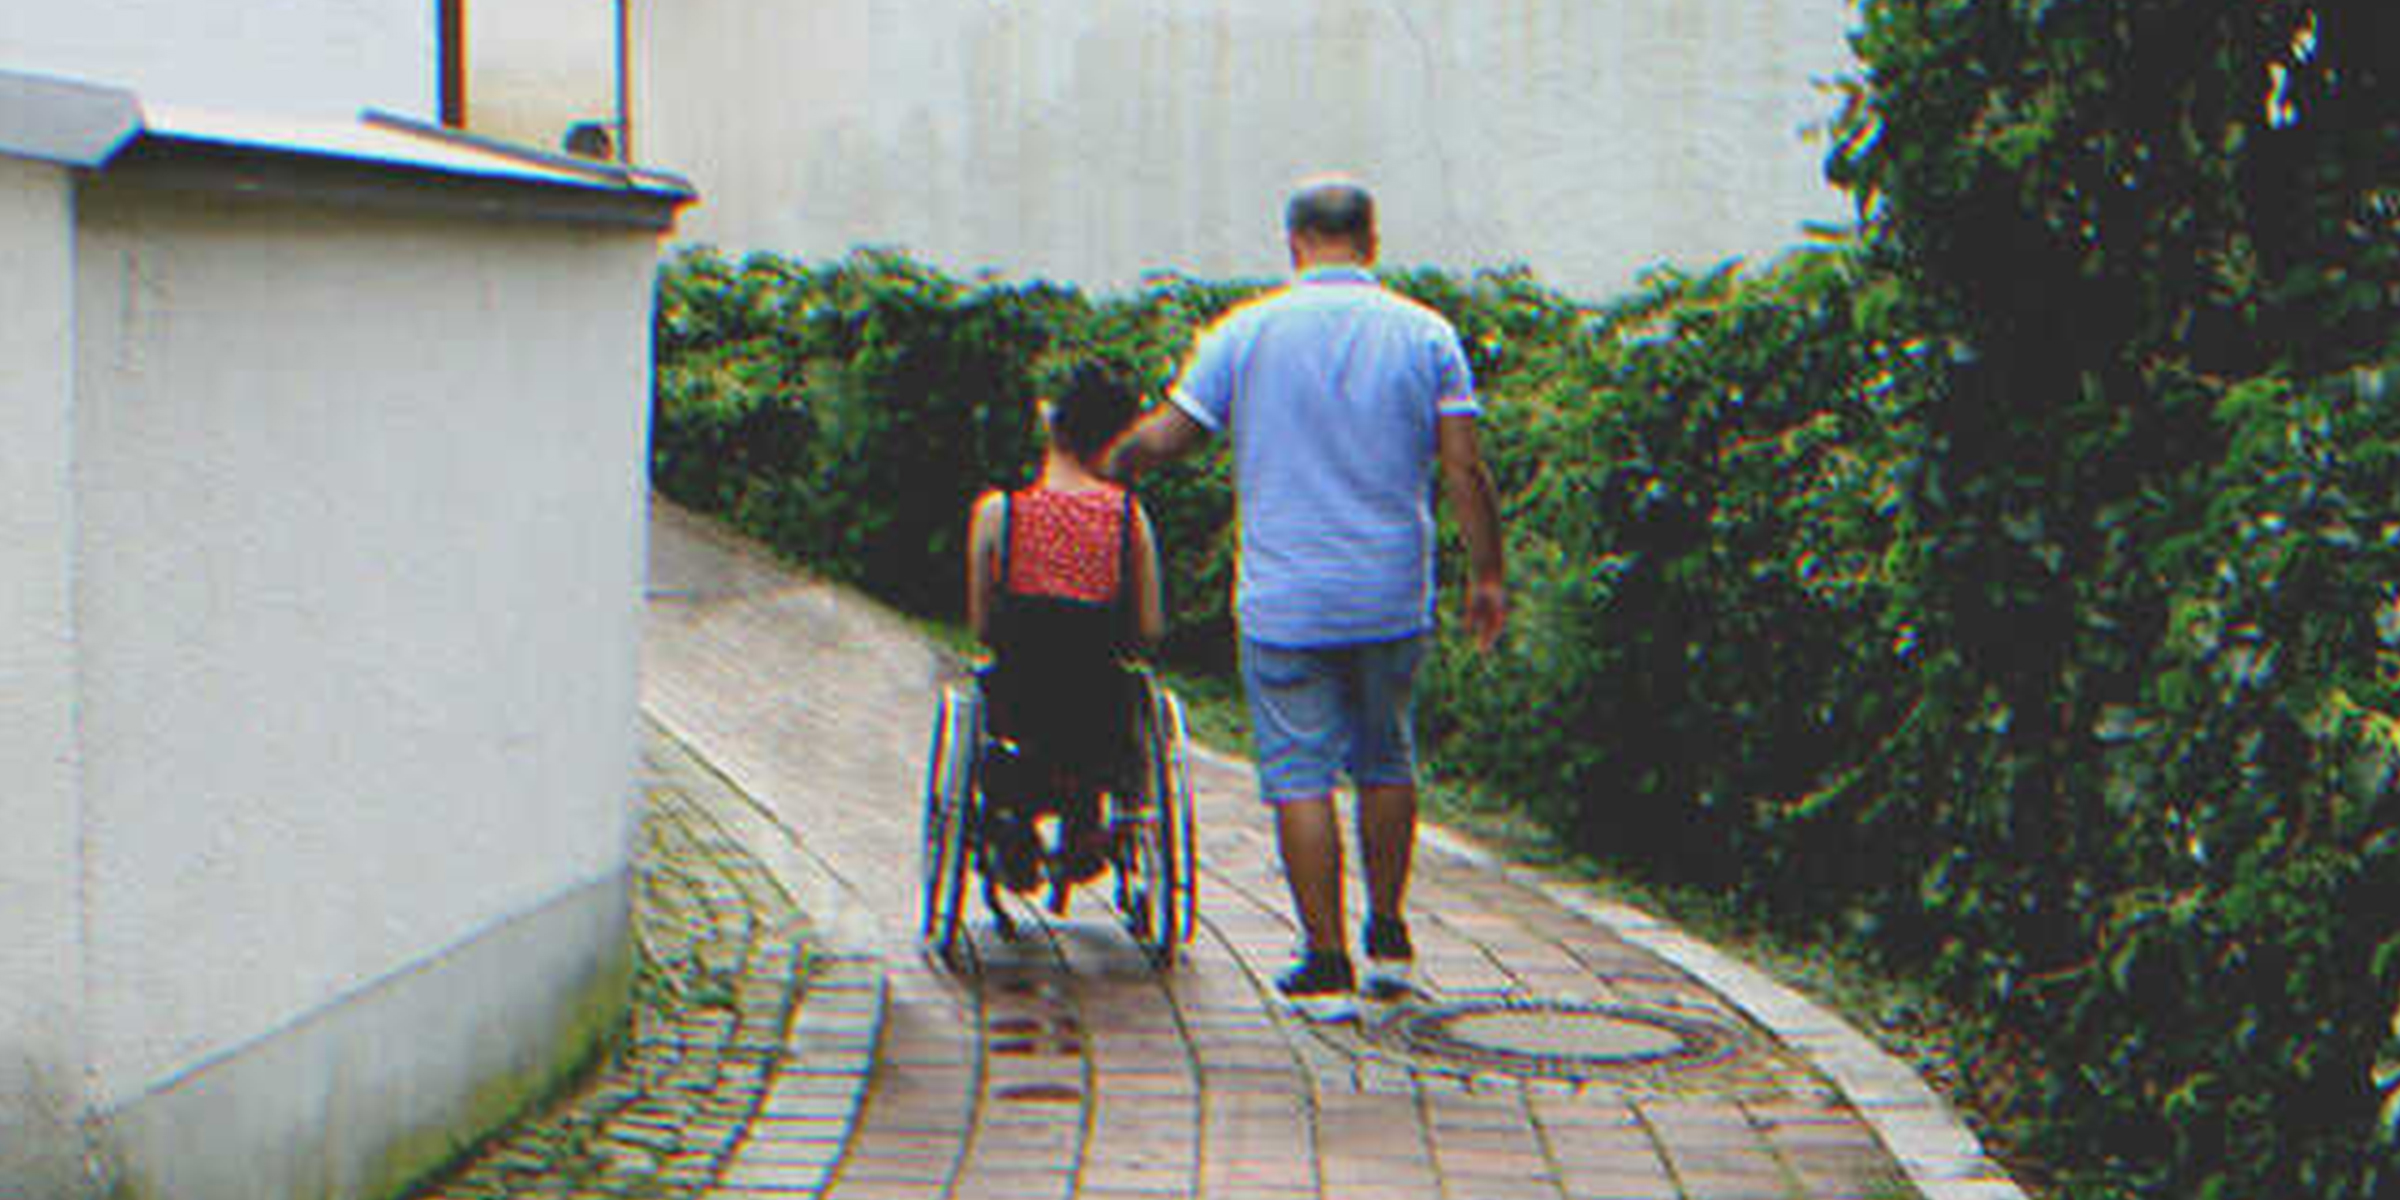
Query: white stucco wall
[[536, 67], [40, 959], [327, 58], [360, 506], [1093, 142]]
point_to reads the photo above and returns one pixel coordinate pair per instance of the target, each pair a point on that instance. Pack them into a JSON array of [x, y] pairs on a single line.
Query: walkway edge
[[808, 1118], [1943, 1158]]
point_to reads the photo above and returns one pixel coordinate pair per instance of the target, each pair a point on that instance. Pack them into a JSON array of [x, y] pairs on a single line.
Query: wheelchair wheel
[[1183, 873], [947, 852], [1154, 886]]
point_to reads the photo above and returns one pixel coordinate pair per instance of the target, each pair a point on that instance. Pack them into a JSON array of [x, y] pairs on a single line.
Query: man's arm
[[1467, 483], [1163, 434]]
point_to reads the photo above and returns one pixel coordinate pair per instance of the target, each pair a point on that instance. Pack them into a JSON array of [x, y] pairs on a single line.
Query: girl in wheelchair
[[1062, 586]]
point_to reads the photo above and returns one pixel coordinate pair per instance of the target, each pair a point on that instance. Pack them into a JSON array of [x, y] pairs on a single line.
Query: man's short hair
[[1331, 208]]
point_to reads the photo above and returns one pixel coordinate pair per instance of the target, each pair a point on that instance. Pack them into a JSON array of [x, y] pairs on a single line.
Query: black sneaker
[[1321, 988], [1391, 960]]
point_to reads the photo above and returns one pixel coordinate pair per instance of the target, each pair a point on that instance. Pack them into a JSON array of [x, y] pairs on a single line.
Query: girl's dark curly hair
[[1091, 402]]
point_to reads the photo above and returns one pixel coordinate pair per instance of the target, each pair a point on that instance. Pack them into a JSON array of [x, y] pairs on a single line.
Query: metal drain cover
[[1553, 1039]]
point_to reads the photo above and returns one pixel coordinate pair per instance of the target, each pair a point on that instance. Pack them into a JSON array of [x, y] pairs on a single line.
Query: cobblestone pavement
[[1568, 1050]]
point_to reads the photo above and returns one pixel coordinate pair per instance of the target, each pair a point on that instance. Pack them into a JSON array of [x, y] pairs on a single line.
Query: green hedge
[[848, 414], [1704, 488], [2161, 534]]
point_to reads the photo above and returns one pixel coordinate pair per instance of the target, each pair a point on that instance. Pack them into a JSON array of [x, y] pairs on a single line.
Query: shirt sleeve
[[1454, 381], [1204, 390]]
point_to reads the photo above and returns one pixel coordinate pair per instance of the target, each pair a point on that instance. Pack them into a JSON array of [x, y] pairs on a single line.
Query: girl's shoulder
[[986, 508]]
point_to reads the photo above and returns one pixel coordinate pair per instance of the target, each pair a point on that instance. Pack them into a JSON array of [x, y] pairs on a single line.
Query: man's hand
[[1163, 434], [1487, 612]]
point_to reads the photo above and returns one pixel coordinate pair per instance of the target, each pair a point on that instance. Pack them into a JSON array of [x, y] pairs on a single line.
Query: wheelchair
[[1145, 837]]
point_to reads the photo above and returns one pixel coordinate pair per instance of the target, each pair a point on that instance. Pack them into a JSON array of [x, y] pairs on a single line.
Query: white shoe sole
[[1388, 980], [1324, 1010]]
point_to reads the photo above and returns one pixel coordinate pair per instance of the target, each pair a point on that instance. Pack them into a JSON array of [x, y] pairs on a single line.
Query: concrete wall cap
[[64, 121], [93, 126]]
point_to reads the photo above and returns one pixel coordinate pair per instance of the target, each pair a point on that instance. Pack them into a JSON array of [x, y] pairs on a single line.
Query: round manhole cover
[[1565, 1039]]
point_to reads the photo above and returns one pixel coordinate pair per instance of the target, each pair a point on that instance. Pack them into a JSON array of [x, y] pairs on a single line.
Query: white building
[[320, 564], [325, 59], [1094, 142]]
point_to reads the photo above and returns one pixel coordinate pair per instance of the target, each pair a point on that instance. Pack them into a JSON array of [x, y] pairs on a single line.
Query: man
[[1342, 400]]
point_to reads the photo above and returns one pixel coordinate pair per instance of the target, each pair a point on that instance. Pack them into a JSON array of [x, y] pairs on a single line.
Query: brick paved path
[[1067, 1067]]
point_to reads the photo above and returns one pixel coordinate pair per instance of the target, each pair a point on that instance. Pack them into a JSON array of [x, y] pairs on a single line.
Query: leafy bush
[[2159, 519], [847, 413], [1709, 479]]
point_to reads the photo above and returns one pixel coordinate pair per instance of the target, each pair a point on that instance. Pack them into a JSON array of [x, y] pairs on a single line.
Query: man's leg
[[1310, 837], [1296, 729], [1383, 760], [1387, 840]]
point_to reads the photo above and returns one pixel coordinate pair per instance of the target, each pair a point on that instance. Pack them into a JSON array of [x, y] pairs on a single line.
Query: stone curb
[[805, 1124], [1942, 1157]]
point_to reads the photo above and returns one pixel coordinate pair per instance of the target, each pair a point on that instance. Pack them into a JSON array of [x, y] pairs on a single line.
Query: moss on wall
[[592, 1032], [591, 1026]]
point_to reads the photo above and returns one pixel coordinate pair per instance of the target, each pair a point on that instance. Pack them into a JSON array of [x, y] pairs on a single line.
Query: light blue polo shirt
[[1330, 388]]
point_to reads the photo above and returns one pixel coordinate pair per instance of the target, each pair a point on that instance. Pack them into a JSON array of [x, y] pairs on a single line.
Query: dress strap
[[1124, 599], [1007, 502]]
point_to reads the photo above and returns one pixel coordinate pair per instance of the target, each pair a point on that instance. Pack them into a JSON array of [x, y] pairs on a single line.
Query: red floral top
[[1065, 544]]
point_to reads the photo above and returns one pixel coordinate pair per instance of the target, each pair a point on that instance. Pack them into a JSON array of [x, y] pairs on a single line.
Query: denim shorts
[[1319, 710]]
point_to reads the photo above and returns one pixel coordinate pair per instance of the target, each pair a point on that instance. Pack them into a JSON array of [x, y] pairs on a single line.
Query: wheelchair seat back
[[1058, 727]]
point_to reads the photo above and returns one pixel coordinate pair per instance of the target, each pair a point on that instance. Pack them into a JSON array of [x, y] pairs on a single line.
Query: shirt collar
[[1337, 274]]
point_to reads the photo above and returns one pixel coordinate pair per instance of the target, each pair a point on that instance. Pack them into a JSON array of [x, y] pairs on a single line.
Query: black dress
[[1058, 694]]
